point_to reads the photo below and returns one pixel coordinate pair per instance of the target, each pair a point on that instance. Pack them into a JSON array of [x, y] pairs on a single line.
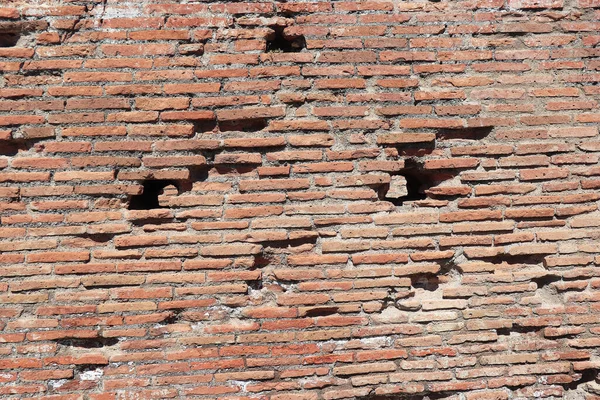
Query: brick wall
[[299, 200]]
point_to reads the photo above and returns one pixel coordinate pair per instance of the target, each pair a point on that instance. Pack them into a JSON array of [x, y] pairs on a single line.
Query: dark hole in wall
[[11, 148], [518, 329], [202, 126], [13, 145], [197, 174], [255, 285], [172, 318], [97, 237], [587, 375], [415, 150], [228, 169], [514, 34], [418, 180], [546, 280], [42, 72], [528, 259], [148, 199], [81, 368], [448, 265], [11, 32], [321, 311], [9, 39], [465, 133], [261, 261], [280, 43], [288, 243], [407, 396], [243, 125], [426, 282], [88, 343], [416, 184]]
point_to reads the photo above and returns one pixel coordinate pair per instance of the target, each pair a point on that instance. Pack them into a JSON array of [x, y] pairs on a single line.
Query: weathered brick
[[277, 248]]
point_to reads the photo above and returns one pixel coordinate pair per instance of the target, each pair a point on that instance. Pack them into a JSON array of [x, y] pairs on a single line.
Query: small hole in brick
[[281, 43], [9, 39], [148, 199]]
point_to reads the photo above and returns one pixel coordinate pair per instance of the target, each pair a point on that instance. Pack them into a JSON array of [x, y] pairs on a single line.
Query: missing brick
[[546, 280], [234, 170], [42, 72], [243, 125], [9, 39], [417, 181], [580, 380], [289, 243], [19, 33], [321, 311], [465, 133], [525, 259], [197, 174], [15, 144], [255, 284], [205, 126], [172, 317], [408, 396], [261, 261], [449, 266], [82, 369], [88, 343], [427, 282], [97, 237], [513, 34], [154, 189], [148, 199], [518, 329], [410, 185], [11, 148], [282, 42]]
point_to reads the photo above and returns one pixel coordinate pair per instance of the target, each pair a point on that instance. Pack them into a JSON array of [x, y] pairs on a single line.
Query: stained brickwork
[[299, 200]]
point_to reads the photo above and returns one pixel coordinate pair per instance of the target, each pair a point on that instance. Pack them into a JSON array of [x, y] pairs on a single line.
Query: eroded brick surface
[[299, 200]]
